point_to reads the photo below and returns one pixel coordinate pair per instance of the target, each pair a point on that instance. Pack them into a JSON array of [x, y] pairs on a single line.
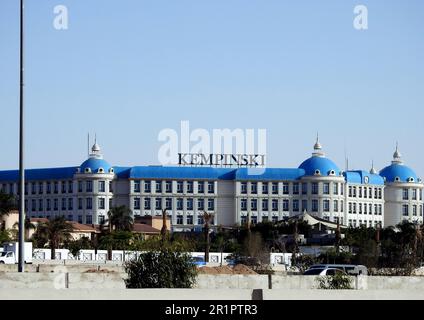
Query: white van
[[351, 269], [10, 253]]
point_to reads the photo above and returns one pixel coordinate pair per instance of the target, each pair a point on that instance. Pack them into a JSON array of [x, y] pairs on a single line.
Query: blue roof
[[159, 172], [398, 170], [122, 172], [40, 174], [268, 174], [95, 164], [358, 176], [324, 165]]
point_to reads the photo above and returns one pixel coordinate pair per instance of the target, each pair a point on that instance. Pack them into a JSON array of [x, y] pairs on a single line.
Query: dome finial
[[397, 156], [373, 171], [95, 149], [317, 148]]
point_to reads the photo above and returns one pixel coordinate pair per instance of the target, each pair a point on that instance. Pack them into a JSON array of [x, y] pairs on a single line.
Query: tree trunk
[[207, 238]]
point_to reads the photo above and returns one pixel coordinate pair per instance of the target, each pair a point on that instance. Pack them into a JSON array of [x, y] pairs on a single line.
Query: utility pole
[[21, 261]]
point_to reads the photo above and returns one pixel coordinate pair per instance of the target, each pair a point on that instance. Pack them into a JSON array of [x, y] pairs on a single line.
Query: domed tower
[[403, 195], [94, 188], [322, 186]]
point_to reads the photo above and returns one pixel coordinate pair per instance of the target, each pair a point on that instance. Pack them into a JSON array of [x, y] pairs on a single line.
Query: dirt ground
[[237, 269]]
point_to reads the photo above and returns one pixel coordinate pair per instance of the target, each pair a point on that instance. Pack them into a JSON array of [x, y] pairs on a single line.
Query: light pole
[[21, 261]]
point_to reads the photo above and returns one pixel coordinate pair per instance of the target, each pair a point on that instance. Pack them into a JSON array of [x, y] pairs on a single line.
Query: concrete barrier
[[237, 281], [9, 280]]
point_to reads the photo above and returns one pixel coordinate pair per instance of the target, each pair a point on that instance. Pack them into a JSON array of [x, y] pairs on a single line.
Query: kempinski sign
[[224, 160]]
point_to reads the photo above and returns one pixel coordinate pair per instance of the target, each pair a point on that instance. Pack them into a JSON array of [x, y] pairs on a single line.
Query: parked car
[[351, 269], [199, 261], [324, 272]]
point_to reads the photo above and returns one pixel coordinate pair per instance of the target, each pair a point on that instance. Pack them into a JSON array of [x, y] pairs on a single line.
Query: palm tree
[[207, 217], [164, 229], [55, 231], [120, 219], [28, 226], [7, 203]]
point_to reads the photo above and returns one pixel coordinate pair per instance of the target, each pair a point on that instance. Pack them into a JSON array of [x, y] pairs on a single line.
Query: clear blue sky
[[127, 69]]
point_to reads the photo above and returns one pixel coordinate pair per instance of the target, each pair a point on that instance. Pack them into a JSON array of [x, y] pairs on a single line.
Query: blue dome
[[94, 165], [324, 165], [398, 170]]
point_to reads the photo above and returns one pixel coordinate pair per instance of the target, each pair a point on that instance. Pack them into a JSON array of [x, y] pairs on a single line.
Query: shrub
[[338, 281], [166, 267]]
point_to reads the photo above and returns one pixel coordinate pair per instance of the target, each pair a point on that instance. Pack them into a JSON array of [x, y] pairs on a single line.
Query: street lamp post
[[21, 261]]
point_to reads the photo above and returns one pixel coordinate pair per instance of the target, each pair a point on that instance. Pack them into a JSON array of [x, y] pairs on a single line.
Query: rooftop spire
[[318, 148], [397, 156], [95, 150], [373, 171]]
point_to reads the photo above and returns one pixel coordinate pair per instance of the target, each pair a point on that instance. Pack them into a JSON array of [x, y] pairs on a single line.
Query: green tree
[[120, 219], [54, 232], [75, 246], [169, 266], [28, 226], [7, 203]]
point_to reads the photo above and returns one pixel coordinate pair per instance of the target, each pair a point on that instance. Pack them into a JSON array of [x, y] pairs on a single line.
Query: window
[[326, 188], [350, 207], [200, 204], [375, 209], [190, 187], [89, 203], [63, 183], [296, 205], [79, 203], [360, 208], [56, 187], [285, 205], [365, 208], [158, 186], [264, 219], [354, 192], [110, 186], [89, 219], [189, 219], [295, 188], [180, 187], [179, 219], [189, 204], [102, 186], [40, 188], [147, 186], [380, 209], [370, 208], [336, 188], [314, 188], [274, 188], [63, 203], [101, 219], [33, 205], [26, 188], [350, 191], [200, 187], [304, 188], [336, 205], [274, 205], [180, 204], [79, 186], [254, 204], [147, 204], [89, 186], [285, 188], [414, 194], [380, 193], [102, 203], [70, 204], [48, 205], [243, 188], [414, 210], [168, 204], [275, 219], [341, 205], [49, 187], [70, 187], [370, 193], [55, 204], [365, 192], [33, 188], [264, 188], [211, 204], [304, 205], [243, 220], [265, 204], [360, 192], [200, 220], [80, 219], [211, 187], [314, 205], [11, 188], [40, 205], [254, 220], [168, 187], [70, 217], [354, 207], [326, 205], [110, 203], [254, 188], [405, 210], [243, 204], [158, 204], [136, 186]]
